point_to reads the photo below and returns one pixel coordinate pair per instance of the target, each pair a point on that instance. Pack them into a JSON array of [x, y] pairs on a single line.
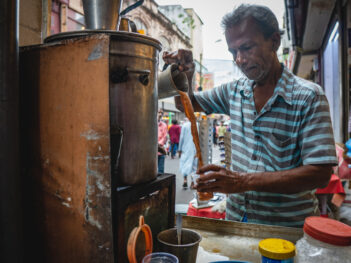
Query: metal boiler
[[133, 61], [88, 110]]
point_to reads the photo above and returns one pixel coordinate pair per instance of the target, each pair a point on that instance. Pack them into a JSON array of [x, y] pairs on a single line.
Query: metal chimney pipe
[[10, 216], [102, 14]]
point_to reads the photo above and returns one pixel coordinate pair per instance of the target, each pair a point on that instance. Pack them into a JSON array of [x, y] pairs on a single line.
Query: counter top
[[222, 239]]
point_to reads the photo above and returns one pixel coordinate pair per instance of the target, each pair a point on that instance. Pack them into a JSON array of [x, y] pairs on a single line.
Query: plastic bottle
[[325, 240]]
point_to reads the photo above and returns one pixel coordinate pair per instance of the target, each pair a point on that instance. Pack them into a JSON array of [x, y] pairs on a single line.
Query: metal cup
[[170, 81], [186, 252], [102, 14]]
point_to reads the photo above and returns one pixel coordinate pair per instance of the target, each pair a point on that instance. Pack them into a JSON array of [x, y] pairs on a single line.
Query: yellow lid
[[276, 248]]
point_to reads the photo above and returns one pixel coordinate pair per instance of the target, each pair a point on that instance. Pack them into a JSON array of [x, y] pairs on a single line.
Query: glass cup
[[160, 257], [194, 177]]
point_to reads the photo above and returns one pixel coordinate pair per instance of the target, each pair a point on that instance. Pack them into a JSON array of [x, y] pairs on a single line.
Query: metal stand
[[154, 200]]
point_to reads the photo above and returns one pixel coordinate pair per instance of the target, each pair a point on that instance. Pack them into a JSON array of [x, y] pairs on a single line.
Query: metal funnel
[[102, 14]]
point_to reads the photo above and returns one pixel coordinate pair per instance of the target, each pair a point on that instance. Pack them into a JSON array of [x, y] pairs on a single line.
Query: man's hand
[[219, 179], [161, 149], [184, 59]]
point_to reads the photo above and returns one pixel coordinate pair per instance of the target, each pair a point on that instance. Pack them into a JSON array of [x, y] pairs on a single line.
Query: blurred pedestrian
[[187, 153], [162, 139], [174, 134]]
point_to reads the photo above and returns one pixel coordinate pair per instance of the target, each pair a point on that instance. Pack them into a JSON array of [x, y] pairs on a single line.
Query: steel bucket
[[133, 107]]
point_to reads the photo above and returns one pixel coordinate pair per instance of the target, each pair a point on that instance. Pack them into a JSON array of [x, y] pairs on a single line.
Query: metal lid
[[276, 248], [328, 230], [116, 35]]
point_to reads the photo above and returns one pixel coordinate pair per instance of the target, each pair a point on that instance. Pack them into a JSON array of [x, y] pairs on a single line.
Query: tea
[[189, 112]]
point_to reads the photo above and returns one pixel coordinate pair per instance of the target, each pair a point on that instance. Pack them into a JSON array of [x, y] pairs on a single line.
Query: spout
[[170, 81]]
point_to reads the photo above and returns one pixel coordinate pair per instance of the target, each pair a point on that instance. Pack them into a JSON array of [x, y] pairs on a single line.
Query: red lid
[[328, 230]]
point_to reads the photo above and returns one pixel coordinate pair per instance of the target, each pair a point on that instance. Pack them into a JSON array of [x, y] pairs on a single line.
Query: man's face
[[251, 51]]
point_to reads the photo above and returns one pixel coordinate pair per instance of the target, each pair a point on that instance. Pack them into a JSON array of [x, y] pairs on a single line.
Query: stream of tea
[[189, 112]]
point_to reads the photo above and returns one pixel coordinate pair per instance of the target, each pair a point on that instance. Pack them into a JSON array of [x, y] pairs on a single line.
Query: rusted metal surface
[[66, 151]]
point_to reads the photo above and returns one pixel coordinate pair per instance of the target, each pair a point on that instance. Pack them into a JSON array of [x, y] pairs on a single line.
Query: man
[[174, 133], [187, 152], [282, 139], [162, 139]]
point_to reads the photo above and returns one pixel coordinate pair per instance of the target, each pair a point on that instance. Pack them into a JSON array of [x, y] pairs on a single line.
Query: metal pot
[[133, 106], [104, 14]]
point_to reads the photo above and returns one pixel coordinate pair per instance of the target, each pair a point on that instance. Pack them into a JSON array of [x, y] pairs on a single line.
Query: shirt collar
[[283, 88]]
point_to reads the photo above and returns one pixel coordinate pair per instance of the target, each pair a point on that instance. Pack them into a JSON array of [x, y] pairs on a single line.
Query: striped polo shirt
[[291, 130]]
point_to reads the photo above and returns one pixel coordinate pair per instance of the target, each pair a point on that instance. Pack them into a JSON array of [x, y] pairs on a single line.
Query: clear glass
[[310, 250], [160, 257]]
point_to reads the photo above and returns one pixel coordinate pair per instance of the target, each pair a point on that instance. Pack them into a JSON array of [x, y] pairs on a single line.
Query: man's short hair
[[174, 122], [263, 16]]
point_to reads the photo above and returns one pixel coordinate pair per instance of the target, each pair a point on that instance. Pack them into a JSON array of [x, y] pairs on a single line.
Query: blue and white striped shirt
[[291, 130]]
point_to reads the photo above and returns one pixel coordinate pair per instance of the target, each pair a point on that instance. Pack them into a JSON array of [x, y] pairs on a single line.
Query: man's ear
[[275, 41]]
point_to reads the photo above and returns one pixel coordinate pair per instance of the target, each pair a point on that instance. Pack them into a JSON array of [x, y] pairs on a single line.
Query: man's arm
[[303, 178]]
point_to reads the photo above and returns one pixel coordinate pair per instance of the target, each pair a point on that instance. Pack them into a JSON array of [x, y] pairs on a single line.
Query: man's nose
[[240, 59]]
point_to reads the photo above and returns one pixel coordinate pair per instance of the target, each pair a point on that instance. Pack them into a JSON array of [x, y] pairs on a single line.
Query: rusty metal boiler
[[80, 94], [133, 61]]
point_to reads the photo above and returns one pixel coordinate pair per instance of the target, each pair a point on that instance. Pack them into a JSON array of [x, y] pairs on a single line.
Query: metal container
[[186, 251], [133, 105], [170, 81], [133, 63], [102, 14]]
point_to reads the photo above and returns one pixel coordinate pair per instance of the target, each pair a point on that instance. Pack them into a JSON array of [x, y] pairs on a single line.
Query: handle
[[130, 8], [116, 142], [121, 75]]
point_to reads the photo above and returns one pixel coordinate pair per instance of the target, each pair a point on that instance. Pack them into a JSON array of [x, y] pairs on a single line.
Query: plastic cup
[[160, 257]]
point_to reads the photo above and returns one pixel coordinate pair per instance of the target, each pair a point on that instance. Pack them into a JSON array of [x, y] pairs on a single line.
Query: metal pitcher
[[170, 81], [104, 14]]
